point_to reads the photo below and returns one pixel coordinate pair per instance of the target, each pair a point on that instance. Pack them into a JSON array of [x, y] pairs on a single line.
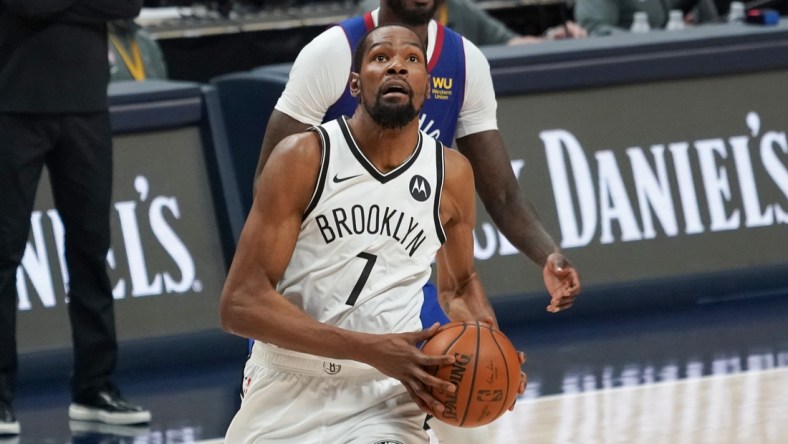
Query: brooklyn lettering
[[341, 222], [664, 194]]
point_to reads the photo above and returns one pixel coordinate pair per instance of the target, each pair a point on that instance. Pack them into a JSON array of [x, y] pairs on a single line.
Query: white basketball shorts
[[292, 397]]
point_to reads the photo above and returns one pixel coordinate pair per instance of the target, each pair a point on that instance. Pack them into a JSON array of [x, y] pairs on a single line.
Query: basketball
[[486, 372]]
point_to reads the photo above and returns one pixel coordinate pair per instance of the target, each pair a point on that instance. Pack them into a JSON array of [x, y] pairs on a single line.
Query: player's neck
[[385, 148]]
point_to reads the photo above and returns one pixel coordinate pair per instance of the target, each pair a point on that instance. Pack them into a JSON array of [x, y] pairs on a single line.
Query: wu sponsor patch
[[441, 87]]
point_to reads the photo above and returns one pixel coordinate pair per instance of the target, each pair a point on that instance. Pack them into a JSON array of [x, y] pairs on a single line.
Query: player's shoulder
[[473, 55], [458, 181], [293, 168], [456, 164], [328, 42], [467, 45], [299, 147], [332, 34]]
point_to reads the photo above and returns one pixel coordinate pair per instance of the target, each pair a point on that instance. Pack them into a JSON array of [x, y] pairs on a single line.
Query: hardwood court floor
[[714, 373], [749, 407]]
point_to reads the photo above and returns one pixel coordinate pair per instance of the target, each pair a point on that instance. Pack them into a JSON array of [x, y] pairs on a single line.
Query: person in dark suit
[[53, 111]]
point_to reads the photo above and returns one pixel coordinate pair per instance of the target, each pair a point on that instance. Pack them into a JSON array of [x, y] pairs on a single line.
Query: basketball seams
[[506, 368], [456, 338], [473, 374], [448, 347]]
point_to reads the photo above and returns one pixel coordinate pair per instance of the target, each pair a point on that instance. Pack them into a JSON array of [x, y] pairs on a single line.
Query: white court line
[[681, 381]]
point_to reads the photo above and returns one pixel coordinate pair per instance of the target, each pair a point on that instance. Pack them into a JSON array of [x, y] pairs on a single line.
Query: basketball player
[[330, 266], [318, 91]]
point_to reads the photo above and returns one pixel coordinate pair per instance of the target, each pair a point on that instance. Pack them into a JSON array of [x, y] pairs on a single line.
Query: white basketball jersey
[[368, 238]]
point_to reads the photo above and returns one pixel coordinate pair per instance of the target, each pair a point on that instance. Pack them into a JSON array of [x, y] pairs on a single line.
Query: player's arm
[[460, 291], [459, 288], [480, 141], [516, 217]]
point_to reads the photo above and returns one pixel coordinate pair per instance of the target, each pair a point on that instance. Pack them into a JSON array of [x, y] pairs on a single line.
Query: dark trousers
[[77, 150]]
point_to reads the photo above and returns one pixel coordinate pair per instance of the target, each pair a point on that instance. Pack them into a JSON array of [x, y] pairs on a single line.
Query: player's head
[[390, 75], [413, 12]]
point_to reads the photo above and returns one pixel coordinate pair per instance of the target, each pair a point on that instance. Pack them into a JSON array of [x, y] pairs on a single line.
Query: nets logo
[[419, 188], [331, 368]]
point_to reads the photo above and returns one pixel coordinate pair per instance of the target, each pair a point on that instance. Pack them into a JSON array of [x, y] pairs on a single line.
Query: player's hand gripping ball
[[486, 372]]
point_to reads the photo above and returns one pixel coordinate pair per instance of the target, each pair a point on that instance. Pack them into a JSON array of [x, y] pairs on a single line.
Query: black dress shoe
[[8, 423], [109, 407]]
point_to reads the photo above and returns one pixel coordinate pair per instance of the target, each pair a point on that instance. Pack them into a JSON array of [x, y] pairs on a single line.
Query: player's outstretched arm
[[459, 289], [516, 216]]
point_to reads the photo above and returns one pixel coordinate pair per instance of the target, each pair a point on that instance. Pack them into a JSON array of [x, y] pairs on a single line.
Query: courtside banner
[[648, 181], [166, 264]]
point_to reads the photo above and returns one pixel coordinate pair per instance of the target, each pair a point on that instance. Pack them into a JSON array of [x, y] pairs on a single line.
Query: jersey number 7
[[370, 258]]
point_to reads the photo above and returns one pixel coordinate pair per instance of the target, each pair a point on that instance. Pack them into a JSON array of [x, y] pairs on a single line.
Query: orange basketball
[[486, 372]]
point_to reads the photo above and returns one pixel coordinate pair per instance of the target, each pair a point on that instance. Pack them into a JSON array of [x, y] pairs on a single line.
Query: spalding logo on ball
[[486, 373]]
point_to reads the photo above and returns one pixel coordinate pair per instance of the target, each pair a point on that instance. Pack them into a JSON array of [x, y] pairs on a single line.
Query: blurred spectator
[[604, 17], [475, 24], [133, 53]]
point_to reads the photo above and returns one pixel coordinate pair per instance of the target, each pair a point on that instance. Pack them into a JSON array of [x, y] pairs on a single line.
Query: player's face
[[393, 80], [414, 12]]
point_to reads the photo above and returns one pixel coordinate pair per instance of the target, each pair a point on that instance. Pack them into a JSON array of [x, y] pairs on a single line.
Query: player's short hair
[[361, 49]]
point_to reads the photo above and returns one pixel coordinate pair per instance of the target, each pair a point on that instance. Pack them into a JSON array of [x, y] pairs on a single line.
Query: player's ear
[[355, 84], [429, 90]]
